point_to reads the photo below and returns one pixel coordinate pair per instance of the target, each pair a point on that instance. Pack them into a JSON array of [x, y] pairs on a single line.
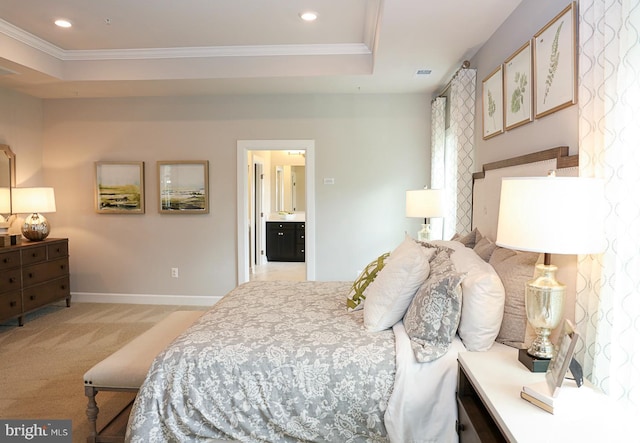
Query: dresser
[[285, 241], [32, 275]]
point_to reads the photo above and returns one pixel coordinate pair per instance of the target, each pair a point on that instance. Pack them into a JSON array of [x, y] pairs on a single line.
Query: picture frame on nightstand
[[559, 364]]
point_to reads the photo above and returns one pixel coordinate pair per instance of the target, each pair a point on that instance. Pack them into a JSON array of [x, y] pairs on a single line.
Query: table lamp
[[551, 215], [34, 201], [425, 203]]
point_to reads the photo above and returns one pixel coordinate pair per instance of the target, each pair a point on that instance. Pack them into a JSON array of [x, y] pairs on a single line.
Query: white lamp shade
[[556, 215], [33, 200], [425, 203]]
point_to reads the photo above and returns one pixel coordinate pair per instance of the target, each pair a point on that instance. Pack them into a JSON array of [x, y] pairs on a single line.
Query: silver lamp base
[[544, 302], [35, 227]]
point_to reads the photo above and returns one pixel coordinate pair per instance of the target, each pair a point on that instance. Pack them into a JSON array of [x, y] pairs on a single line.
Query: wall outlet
[[174, 273]]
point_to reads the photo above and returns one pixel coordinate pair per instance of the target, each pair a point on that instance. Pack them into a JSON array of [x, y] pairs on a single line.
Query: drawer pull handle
[[12, 280], [30, 275], [12, 304], [34, 254], [62, 267], [32, 297]]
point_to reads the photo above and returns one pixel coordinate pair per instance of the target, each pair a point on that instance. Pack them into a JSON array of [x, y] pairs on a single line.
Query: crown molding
[[218, 51], [31, 40]]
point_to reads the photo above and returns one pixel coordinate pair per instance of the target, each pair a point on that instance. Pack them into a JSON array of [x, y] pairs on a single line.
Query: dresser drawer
[[34, 254], [10, 259], [57, 250], [34, 274], [10, 280], [10, 305], [40, 295]]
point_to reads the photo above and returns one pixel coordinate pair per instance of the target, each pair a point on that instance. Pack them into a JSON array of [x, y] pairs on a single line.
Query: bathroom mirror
[[7, 178], [289, 188]]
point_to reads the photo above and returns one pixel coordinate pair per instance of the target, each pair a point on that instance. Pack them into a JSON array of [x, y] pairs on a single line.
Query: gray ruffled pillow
[[432, 319]]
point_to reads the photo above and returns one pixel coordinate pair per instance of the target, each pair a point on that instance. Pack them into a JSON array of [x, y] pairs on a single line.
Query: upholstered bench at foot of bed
[[126, 369]]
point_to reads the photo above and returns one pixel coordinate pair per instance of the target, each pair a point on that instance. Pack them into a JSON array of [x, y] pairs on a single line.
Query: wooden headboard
[[486, 184], [486, 201]]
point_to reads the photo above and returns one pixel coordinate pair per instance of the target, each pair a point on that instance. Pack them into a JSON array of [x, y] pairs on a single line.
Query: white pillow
[[483, 298], [389, 295]]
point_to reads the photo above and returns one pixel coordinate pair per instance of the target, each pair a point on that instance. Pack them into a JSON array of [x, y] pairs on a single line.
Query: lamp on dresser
[[551, 215], [34, 201], [425, 203]]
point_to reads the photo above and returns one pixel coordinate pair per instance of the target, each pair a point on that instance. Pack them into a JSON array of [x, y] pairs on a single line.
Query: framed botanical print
[[518, 88], [119, 187], [183, 187], [492, 102], [555, 63]]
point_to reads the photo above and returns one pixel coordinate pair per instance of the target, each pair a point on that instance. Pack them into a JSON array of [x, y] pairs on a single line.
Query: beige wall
[[21, 129], [557, 129], [374, 146]]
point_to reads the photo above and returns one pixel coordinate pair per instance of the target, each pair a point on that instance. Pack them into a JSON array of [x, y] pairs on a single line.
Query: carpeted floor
[[42, 363]]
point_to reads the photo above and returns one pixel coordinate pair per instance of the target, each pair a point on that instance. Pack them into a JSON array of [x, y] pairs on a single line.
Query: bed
[[373, 360]]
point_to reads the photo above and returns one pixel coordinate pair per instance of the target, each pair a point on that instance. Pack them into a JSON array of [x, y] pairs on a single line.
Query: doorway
[[248, 192]]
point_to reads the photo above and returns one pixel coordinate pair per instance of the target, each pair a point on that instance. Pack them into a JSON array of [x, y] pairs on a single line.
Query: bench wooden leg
[[92, 413]]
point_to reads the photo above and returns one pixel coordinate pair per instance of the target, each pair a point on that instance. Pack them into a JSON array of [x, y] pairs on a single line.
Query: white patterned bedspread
[[286, 362]]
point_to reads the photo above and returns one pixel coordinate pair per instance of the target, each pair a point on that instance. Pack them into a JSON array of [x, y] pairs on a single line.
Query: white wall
[[21, 129], [374, 146], [557, 129]]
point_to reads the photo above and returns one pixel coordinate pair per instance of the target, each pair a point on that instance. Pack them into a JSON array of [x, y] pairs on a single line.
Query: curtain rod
[[465, 65]]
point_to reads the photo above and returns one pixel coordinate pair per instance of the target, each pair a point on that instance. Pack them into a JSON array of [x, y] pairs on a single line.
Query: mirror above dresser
[[7, 179]]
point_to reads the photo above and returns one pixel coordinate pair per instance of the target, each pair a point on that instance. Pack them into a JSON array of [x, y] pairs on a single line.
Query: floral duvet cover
[[274, 362]]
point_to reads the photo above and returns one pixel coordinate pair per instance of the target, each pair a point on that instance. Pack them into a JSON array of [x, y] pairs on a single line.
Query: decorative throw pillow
[[469, 240], [515, 268], [390, 293], [484, 247], [432, 318], [483, 299], [356, 294]]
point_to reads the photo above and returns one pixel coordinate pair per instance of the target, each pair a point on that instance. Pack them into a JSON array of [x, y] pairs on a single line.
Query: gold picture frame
[[518, 88], [555, 63], [119, 187], [183, 187], [492, 104]]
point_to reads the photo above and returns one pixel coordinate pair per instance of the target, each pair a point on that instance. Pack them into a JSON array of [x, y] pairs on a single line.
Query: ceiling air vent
[[421, 72]]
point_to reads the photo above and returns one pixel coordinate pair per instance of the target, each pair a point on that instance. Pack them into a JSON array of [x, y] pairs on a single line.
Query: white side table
[[490, 407]]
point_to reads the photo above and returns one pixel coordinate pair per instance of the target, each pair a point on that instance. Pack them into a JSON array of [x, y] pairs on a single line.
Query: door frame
[[243, 148], [257, 213]]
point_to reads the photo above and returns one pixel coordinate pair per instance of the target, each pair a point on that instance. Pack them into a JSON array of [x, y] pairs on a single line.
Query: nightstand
[[490, 408]]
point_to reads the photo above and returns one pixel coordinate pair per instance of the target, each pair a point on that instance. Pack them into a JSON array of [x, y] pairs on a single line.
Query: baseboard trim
[[145, 299]]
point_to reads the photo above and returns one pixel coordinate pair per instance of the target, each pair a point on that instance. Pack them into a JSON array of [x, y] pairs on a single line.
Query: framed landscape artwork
[[555, 63], [119, 187], [518, 87], [492, 115], [183, 187]]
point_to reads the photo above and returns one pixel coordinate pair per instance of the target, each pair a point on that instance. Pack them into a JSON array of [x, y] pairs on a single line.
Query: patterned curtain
[[608, 299], [463, 105], [440, 226]]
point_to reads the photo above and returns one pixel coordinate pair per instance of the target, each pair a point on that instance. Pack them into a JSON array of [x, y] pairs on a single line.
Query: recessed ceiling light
[[308, 16], [63, 23]]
